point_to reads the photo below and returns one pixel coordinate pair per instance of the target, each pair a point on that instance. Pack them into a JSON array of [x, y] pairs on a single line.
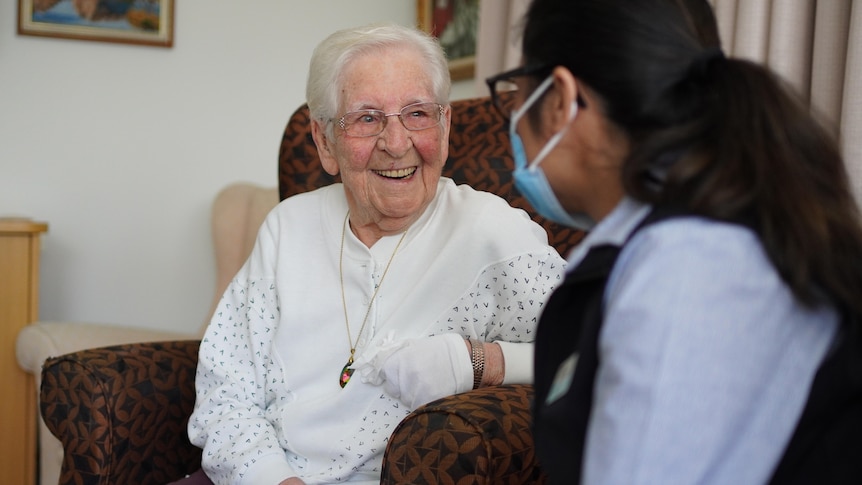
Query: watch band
[[477, 357]]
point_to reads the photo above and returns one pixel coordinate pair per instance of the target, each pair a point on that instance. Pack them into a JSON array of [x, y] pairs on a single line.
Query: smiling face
[[390, 178]]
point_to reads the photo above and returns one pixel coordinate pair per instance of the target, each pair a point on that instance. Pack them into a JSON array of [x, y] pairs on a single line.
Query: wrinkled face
[[389, 178]]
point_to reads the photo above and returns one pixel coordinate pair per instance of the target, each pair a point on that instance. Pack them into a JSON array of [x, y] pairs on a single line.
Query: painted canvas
[[455, 23], [148, 22]]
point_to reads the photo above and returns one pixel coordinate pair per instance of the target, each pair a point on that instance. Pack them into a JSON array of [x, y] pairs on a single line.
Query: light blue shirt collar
[[613, 229]]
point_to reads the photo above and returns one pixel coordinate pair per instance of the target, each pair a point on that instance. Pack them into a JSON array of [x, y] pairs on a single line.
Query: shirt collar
[[613, 229]]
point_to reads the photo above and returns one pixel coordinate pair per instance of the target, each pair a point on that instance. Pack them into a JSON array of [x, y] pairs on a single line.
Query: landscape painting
[[148, 22]]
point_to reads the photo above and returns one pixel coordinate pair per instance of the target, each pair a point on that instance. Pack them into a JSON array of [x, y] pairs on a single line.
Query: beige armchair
[[237, 213]]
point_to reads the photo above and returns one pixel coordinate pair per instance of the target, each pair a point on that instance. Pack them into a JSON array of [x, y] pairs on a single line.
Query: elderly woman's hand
[[425, 369]]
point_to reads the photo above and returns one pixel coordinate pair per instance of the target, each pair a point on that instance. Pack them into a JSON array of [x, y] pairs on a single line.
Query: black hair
[[719, 137]]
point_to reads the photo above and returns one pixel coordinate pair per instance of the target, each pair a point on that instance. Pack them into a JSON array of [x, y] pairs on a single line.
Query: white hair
[[330, 57]]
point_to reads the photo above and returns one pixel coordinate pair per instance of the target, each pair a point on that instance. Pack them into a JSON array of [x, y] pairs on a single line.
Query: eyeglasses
[[502, 86], [372, 122]]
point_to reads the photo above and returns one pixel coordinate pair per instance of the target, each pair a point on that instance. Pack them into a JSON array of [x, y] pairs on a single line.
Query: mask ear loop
[[552, 142], [540, 90]]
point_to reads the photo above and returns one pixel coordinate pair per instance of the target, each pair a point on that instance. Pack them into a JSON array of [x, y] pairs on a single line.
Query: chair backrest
[[479, 155]]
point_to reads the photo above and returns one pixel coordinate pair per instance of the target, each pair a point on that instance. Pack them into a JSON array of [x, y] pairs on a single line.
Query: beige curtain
[[816, 45], [498, 46]]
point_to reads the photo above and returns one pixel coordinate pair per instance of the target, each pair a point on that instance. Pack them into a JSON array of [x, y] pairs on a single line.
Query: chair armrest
[[121, 412], [484, 436], [39, 341]]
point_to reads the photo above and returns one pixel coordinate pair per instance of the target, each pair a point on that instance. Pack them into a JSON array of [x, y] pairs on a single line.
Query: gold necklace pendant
[[346, 373]]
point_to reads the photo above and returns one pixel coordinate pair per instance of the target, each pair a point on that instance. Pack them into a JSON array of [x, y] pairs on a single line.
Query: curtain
[[498, 46], [815, 45]]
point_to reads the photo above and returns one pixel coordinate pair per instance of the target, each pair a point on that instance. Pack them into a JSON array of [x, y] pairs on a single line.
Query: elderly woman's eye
[[422, 111], [363, 117], [368, 117]]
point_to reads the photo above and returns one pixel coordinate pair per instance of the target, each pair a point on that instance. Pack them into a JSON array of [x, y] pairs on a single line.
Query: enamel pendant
[[346, 372]]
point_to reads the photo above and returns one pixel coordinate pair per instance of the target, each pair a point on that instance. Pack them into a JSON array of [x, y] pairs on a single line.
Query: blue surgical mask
[[530, 180]]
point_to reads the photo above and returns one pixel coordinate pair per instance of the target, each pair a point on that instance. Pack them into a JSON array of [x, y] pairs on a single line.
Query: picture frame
[[455, 23], [142, 22]]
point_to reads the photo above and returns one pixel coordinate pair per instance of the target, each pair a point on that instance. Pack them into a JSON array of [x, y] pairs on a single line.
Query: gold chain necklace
[[346, 371]]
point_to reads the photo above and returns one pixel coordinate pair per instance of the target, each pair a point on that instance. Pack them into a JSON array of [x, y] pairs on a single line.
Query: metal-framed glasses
[[372, 122], [503, 87]]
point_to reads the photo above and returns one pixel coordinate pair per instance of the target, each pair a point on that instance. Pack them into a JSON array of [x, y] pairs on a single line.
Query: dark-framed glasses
[[503, 86], [372, 122]]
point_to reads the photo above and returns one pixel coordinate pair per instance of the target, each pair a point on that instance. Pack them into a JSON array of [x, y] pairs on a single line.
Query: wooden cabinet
[[19, 305]]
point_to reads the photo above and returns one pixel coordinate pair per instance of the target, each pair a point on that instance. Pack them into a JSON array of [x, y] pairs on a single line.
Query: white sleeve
[[229, 420], [518, 358]]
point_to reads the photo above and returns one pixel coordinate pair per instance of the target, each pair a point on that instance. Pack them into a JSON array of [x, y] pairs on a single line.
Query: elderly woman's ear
[[324, 149]]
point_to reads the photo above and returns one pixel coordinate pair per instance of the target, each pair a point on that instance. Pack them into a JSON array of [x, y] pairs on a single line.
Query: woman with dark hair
[[708, 329]]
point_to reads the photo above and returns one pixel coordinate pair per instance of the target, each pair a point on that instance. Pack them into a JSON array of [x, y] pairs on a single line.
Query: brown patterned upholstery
[[478, 437], [121, 412]]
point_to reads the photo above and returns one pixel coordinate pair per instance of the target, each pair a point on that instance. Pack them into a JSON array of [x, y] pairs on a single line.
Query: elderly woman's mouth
[[401, 173]]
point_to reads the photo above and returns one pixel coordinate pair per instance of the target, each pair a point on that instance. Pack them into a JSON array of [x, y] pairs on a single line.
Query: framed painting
[[146, 22], [455, 23]]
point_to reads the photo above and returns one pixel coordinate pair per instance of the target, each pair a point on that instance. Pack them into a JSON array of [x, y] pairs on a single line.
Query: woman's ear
[[324, 149], [561, 106]]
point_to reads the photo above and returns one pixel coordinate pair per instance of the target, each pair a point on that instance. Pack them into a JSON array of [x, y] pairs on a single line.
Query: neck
[[608, 196], [604, 156], [370, 233]]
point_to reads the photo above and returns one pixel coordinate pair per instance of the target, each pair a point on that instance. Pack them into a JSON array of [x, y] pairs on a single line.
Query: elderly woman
[[366, 299], [709, 328]]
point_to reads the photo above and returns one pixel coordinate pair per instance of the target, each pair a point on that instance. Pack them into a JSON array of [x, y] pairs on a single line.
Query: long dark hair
[[714, 136]]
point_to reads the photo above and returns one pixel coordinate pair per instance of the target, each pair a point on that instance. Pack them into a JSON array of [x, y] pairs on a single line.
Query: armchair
[[238, 205], [121, 411]]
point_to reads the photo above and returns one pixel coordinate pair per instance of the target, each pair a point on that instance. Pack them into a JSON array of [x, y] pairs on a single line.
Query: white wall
[[121, 149]]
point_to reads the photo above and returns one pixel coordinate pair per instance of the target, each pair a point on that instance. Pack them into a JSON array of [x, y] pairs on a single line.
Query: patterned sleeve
[[229, 420], [507, 298]]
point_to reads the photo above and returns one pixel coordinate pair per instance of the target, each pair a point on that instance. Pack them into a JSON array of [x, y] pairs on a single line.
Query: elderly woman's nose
[[395, 138]]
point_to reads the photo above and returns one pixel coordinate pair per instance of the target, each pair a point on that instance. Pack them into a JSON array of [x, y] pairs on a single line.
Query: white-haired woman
[[368, 298]]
